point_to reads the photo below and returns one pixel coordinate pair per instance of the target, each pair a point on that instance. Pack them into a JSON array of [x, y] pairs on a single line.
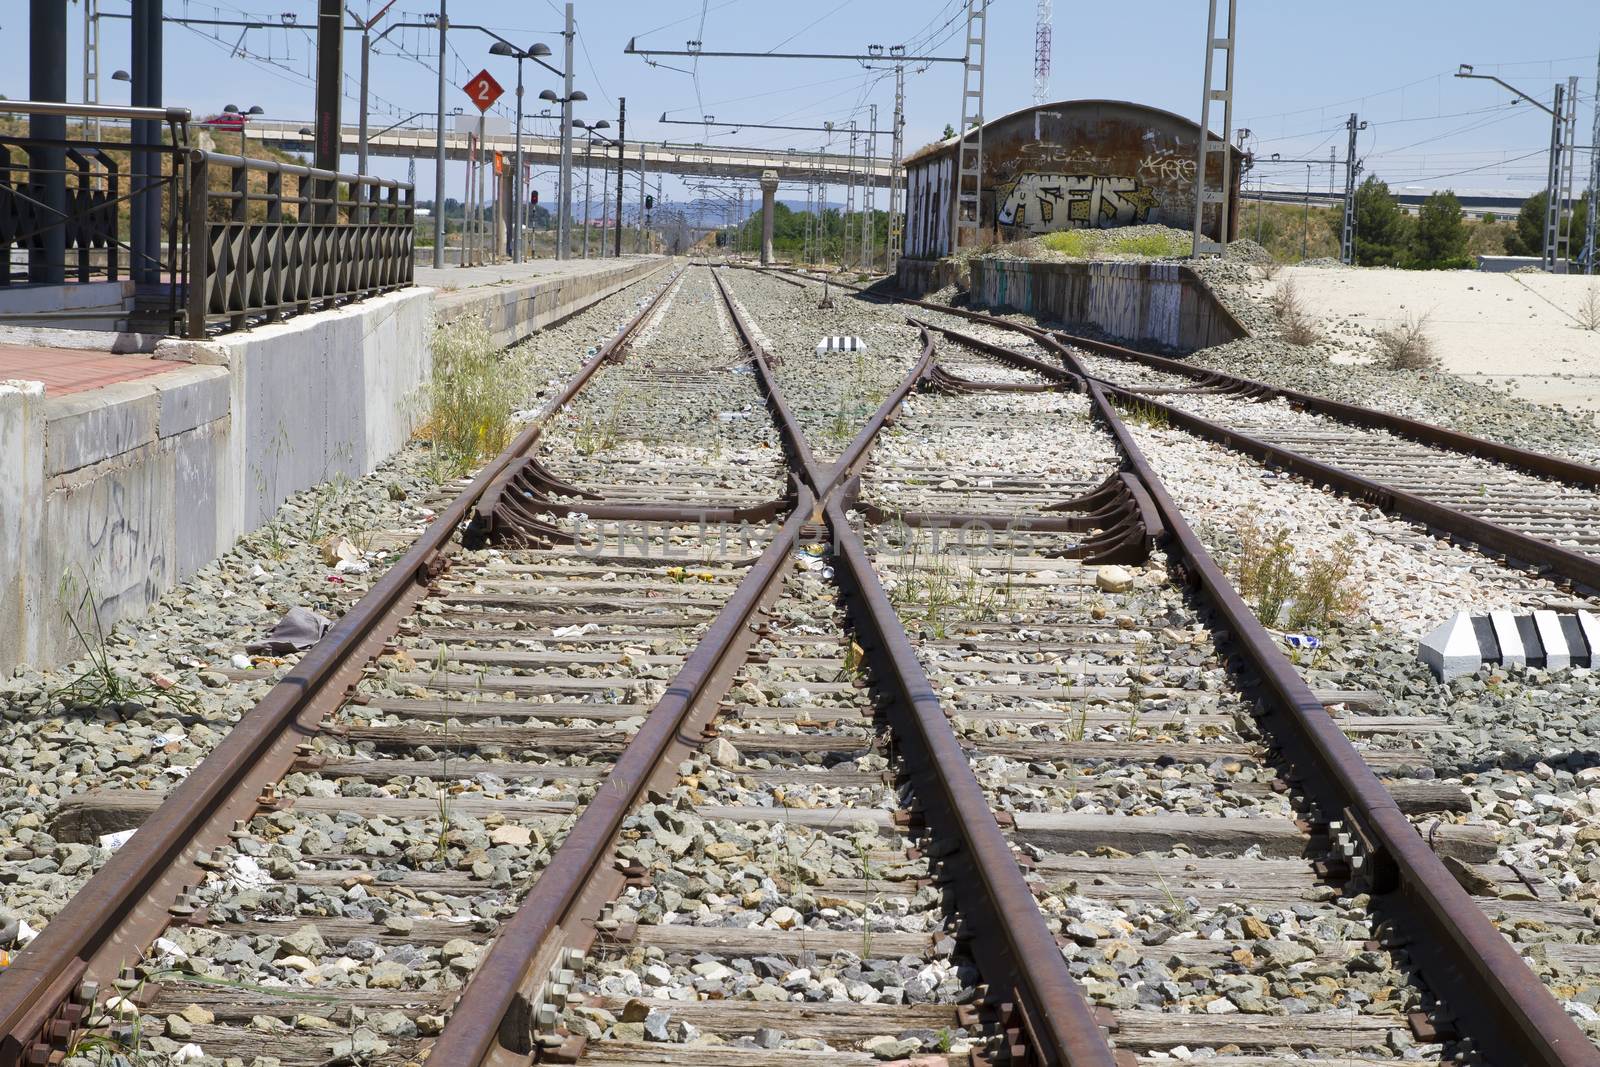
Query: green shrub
[[470, 399]]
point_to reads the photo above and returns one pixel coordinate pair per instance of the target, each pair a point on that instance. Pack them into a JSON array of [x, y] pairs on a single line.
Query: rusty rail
[[1015, 949], [125, 905], [495, 1019], [1493, 994], [1540, 463], [1496, 1001]]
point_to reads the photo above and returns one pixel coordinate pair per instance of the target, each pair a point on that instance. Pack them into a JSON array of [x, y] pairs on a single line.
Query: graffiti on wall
[[1044, 201]]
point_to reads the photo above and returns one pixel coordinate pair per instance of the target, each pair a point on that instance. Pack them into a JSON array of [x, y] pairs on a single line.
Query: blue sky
[[1297, 79]]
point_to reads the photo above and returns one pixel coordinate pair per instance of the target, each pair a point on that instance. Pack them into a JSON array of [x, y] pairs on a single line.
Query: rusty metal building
[[1067, 165]]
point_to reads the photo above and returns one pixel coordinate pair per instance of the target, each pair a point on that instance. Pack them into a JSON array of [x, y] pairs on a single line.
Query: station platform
[[138, 459], [69, 370]]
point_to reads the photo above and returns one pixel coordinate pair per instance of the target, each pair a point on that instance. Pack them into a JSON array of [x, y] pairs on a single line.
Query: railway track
[[1288, 740], [738, 714]]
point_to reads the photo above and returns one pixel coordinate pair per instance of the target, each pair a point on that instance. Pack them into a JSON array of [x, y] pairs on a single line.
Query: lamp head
[[231, 109], [1464, 70], [539, 50], [500, 48], [550, 95], [578, 95], [255, 109], [603, 124], [121, 76]]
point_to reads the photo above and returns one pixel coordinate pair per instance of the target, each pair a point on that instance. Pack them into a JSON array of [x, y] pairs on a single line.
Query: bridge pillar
[[769, 189]]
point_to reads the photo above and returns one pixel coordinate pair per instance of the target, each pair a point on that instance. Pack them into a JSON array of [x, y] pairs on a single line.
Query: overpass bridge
[[660, 157]]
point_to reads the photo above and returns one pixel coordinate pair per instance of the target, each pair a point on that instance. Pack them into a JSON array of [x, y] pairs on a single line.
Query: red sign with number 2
[[483, 89]]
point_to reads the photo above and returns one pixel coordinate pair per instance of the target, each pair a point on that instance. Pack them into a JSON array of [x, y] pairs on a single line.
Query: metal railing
[[331, 238], [62, 201], [227, 240]]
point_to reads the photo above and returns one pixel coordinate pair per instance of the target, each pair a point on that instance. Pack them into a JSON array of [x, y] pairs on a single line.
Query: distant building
[[1067, 165]]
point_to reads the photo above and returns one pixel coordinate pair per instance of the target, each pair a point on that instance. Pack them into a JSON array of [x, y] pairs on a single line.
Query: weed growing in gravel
[[328, 489], [1325, 595], [941, 592], [470, 399], [1266, 569], [1407, 346], [597, 433], [101, 685], [1316, 594], [1293, 319], [1142, 414]]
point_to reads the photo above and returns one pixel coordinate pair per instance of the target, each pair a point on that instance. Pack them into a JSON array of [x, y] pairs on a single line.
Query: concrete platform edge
[[133, 487]]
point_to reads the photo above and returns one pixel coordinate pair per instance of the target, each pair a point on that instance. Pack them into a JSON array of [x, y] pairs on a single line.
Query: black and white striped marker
[[1543, 639], [841, 344]]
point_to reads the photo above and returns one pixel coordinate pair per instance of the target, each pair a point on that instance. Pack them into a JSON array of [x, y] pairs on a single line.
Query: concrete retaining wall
[[132, 488], [1161, 304], [918, 277], [513, 312]]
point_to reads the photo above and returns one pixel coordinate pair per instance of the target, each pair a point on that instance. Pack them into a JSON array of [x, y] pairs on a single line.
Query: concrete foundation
[[1161, 304], [131, 488]]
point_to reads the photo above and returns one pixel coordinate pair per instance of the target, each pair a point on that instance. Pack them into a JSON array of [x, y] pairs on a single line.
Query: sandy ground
[[1520, 332]]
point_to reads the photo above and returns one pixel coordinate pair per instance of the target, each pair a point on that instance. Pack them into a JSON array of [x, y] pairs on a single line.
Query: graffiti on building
[[1041, 202], [1166, 167], [1043, 153]]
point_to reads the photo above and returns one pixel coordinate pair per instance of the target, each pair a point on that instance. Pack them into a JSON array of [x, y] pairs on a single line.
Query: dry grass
[[1407, 346], [471, 397], [1294, 321], [1312, 594], [1589, 310]]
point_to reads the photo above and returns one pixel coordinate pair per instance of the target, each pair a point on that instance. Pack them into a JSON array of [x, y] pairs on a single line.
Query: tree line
[[1436, 238]]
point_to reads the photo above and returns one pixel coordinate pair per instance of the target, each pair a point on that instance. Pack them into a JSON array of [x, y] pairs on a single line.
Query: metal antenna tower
[[849, 199], [1352, 170], [869, 221], [1203, 192], [1552, 214], [1569, 164], [896, 172], [1041, 53], [1594, 179], [968, 201]]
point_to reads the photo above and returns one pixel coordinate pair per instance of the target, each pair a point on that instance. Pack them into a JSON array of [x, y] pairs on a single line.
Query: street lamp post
[[588, 152], [244, 118], [537, 51], [1553, 179], [564, 187]]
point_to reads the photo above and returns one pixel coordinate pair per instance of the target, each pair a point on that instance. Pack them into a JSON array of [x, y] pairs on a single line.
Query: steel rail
[[1539, 463], [488, 1024], [1061, 1026], [124, 906], [1494, 996], [1506, 1010], [794, 438], [1063, 1030]]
